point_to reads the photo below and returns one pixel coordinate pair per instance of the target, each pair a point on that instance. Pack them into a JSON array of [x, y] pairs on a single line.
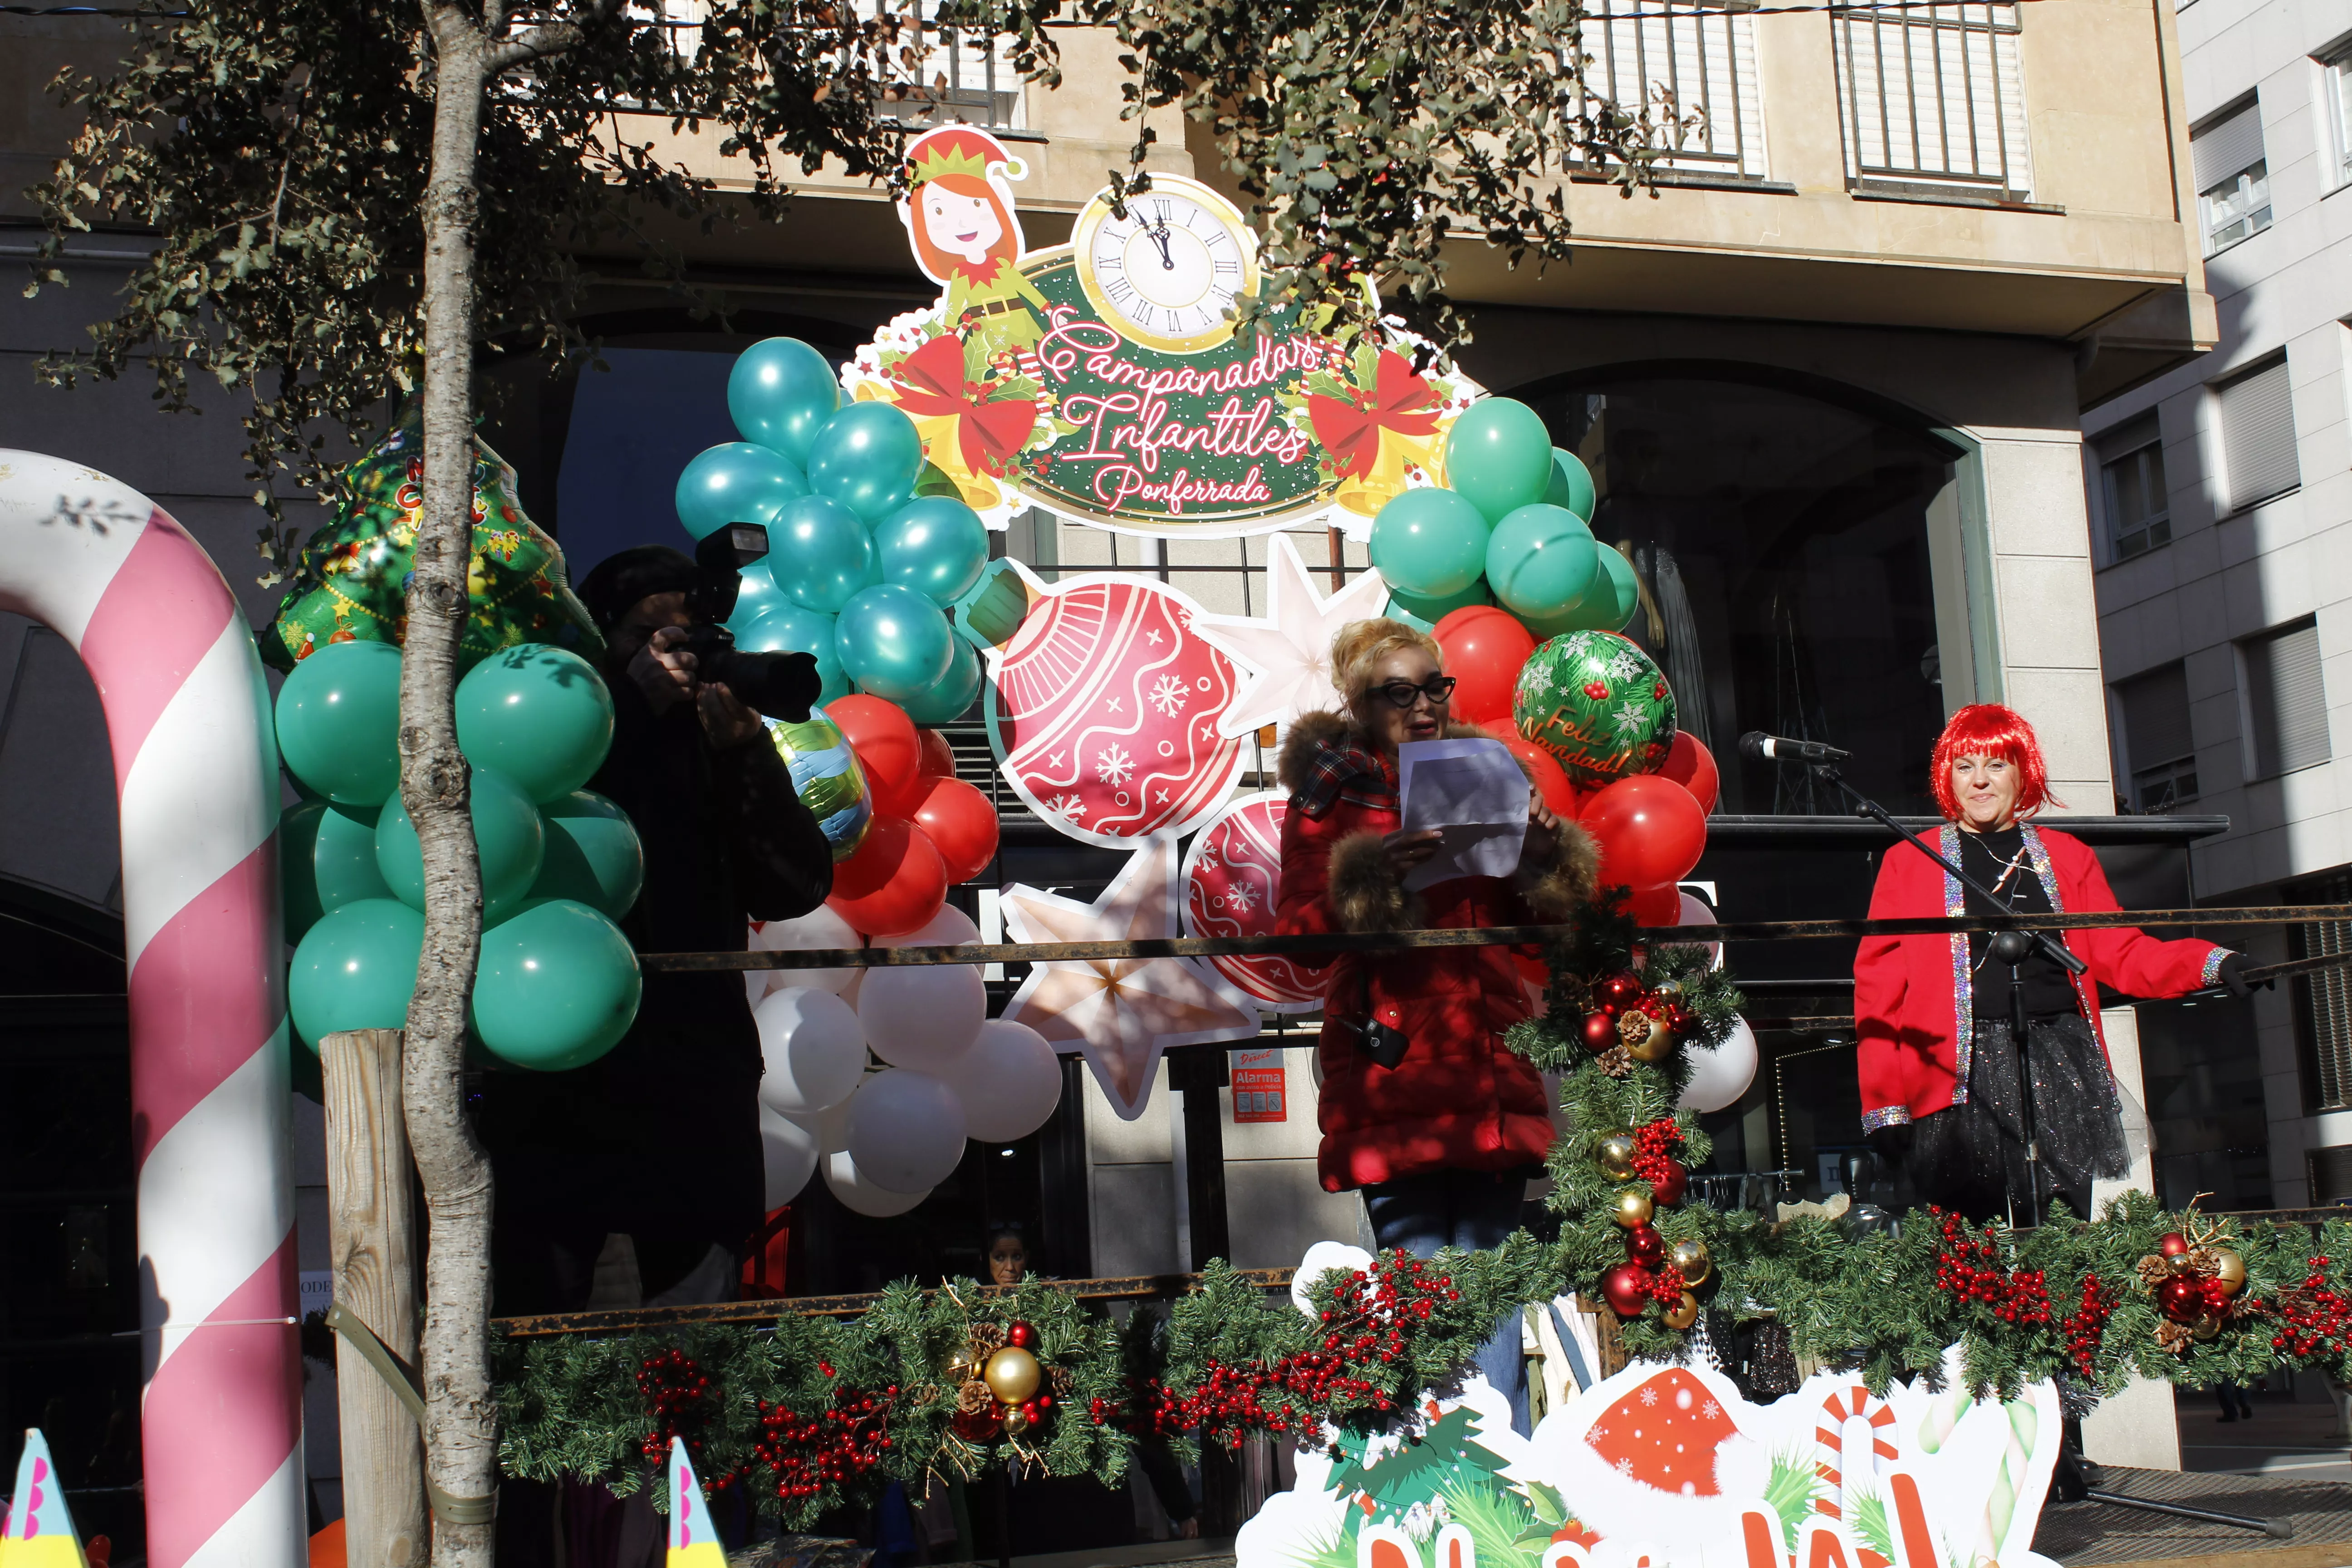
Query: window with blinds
[[2338, 102], [2258, 454], [1682, 59], [2161, 757], [958, 76], [2323, 1018], [2131, 477], [1933, 95], [2287, 701], [2233, 184]]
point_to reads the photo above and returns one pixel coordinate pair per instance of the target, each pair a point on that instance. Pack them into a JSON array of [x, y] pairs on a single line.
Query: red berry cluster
[[676, 1388], [2087, 1325], [2318, 1321], [1657, 1149], [1969, 1266], [830, 1447]]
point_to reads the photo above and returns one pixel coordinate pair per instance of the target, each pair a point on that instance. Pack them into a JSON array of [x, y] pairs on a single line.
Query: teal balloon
[[297, 887], [593, 855], [952, 696], [779, 394], [755, 594], [1624, 592], [558, 988], [355, 969], [1541, 561], [339, 721], [1420, 611], [538, 716], [508, 836], [786, 627], [894, 642], [735, 482], [935, 546], [821, 554], [342, 858], [1430, 541], [867, 458], [1571, 484], [1607, 604], [1498, 454]]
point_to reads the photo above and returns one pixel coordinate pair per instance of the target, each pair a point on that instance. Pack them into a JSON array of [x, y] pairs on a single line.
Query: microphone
[[1780, 749]]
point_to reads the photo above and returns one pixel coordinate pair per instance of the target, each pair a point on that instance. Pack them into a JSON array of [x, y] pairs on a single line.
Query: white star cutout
[[1286, 657]]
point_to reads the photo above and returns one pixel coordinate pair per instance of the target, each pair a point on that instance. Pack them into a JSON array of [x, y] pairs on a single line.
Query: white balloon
[[788, 1156], [905, 1131], [1694, 912], [1720, 1074], [1010, 1081], [813, 1049], [949, 927], [858, 1194], [820, 928], [832, 1125], [922, 1016]]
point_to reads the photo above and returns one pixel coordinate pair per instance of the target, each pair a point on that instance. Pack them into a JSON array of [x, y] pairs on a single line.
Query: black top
[[1998, 861]]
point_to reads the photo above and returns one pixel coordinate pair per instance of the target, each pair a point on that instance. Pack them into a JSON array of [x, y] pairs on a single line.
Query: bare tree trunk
[[460, 1418]]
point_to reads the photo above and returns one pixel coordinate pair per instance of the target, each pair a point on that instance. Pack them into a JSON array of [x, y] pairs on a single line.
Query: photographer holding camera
[[660, 1141]]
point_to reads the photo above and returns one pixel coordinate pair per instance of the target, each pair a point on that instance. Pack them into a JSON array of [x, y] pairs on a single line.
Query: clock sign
[[1170, 271]]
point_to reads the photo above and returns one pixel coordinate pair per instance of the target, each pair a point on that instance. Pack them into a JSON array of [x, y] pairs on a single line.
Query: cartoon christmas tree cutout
[[39, 1533], [693, 1538], [1396, 1471]]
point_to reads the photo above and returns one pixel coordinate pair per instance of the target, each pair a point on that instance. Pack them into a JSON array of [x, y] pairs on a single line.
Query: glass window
[[2337, 102], [2286, 700], [2155, 739], [2138, 506], [2258, 437], [2234, 184], [2323, 1013]]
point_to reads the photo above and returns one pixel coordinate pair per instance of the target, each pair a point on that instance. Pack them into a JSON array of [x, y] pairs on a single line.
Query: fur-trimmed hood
[[1321, 731]]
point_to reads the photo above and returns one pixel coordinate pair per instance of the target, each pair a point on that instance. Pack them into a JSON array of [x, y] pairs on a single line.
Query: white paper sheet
[[1474, 792]]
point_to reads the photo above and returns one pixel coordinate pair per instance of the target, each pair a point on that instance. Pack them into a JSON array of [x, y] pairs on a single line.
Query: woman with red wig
[[1940, 1080]]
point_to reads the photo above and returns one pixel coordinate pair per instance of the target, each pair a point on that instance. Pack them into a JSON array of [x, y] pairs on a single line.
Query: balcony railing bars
[[1932, 94], [1685, 60]]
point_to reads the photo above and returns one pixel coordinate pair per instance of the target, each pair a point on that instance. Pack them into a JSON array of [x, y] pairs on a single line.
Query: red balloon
[[1650, 829], [1550, 778], [1692, 765], [908, 898], [878, 859], [961, 824], [1658, 905], [1483, 649], [886, 746], [937, 761]]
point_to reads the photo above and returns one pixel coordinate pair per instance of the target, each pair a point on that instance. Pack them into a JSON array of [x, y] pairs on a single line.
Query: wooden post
[[371, 1223]]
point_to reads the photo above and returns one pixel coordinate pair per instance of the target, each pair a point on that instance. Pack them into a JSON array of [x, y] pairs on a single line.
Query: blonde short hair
[[1362, 645]]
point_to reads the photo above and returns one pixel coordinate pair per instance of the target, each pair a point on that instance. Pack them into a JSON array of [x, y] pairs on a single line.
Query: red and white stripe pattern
[[1842, 1405], [195, 770]]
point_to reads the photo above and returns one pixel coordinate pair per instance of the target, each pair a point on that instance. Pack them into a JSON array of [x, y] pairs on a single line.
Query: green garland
[[816, 1412]]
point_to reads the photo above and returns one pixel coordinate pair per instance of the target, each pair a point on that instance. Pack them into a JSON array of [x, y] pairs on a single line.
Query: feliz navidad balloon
[[828, 779], [1597, 702], [735, 481], [1233, 884], [780, 393]]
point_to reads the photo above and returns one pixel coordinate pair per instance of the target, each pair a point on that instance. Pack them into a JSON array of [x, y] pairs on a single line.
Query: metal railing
[[1932, 95], [1683, 57]]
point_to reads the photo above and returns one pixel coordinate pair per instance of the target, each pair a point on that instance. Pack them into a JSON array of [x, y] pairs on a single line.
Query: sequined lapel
[[1963, 980]]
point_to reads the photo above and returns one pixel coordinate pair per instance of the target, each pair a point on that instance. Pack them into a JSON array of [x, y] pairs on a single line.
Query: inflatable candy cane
[[195, 774], [1829, 1442], [2016, 1456]]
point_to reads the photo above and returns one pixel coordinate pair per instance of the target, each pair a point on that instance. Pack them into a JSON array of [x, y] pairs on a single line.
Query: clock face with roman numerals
[[1168, 273]]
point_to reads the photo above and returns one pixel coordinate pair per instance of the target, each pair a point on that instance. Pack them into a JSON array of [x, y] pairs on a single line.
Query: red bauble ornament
[[1021, 1336], [1646, 1247], [2214, 1296], [2182, 1300], [1626, 1287], [978, 1425], [1617, 993], [1667, 1190], [1600, 1033], [2171, 1244], [1233, 886]]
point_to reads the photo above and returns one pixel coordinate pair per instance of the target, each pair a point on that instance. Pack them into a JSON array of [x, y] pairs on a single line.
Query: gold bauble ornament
[[2186, 1263], [1691, 1260], [1668, 988], [1016, 1422], [1012, 1375], [1657, 1047], [1682, 1313], [1616, 1156], [1634, 1207], [2206, 1329], [2228, 1270]]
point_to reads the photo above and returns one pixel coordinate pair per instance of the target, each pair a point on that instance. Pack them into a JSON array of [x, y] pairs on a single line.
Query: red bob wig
[[1988, 729]]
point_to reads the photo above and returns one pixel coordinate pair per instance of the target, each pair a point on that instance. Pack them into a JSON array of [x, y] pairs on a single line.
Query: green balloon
[[339, 721], [821, 554], [1607, 604], [735, 481], [1431, 541], [935, 546], [755, 594], [593, 854], [557, 988], [297, 889], [866, 457], [508, 836], [1420, 611], [1571, 484], [1541, 561], [355, 969], [894, 642], [787, 628], [779, 394], [538, 716], [1616, 612], [1498, 453], [342, 858], [952, 696]]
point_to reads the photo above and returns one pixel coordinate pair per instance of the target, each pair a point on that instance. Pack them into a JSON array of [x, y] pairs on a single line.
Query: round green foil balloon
[[1599, 704], [1571, 484], [953, 696], [1423, 613], [789, 628], [538, 716], [593, 855], [894, 642], [866, 457], [1431, 541], [355, 970], [1541, 561], [735, 482], [508, 836], [935, 546], [339, 721], [1498, 456], [779, 394], [558, 988], [827, 778], [297, 887], [821, 554]]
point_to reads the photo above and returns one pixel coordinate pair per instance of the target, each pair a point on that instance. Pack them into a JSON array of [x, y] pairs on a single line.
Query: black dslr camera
[[779, 685]]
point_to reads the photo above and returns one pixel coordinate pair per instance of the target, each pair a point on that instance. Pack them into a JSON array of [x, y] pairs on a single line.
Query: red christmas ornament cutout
[[1664, 1433]]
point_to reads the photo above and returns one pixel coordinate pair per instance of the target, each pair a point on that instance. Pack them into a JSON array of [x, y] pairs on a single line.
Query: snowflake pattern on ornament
[[1168, 695], [1233, 885], [1623, 665], [1649, 1396], [1113, 765], [1066, 805], [1240, 899]]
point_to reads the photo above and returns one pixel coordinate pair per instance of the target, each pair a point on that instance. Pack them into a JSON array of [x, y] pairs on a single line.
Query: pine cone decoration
[[1633, 1027], [1616, 1061]]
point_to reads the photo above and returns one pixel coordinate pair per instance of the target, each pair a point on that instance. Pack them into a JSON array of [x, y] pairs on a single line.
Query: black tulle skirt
[[1972, 1157]]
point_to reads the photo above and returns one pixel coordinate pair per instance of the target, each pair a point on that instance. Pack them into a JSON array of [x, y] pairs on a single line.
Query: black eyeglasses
[[1438, 688]]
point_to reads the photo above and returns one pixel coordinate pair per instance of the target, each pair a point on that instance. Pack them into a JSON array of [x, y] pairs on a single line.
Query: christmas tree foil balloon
[[352, 583], [1597, 702], [40, 1533]]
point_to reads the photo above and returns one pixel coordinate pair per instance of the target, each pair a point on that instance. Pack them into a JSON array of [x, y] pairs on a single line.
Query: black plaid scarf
[[1353, 773]]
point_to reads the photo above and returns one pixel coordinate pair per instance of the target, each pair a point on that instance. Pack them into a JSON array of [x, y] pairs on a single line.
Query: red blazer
[[1912, 994]]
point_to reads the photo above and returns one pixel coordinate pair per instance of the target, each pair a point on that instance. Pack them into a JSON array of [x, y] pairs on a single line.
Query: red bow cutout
[[989, 432], [1350, 428]]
